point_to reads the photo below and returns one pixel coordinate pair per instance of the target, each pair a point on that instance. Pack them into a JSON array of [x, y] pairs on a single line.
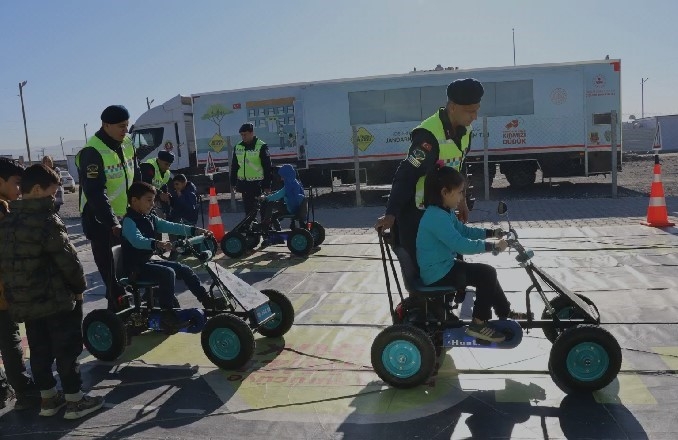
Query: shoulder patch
[[419, 154], [92, 171]]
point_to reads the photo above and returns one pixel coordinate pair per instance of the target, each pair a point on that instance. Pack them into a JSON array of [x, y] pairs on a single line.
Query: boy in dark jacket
[[44, 282], [17, 382], [184, 200], [286, 200], [139, 228]]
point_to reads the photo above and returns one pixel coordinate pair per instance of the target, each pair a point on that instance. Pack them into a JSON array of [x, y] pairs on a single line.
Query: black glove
[[498, 233]]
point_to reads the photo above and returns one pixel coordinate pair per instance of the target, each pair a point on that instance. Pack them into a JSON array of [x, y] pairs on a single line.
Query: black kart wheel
[[104, 335], [584, 359], [403, 356], [227, 341], [318, 233], [300, 242], [234, 244], [284, 314], [564, 309]]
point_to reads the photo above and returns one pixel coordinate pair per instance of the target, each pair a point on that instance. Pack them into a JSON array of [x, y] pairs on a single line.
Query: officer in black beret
[[107, 166], [250, 167], [156, 171], [446, 136]]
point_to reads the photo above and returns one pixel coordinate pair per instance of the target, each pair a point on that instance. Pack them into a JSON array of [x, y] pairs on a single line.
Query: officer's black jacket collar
[[454, 133], [250, 144], [109, 141]]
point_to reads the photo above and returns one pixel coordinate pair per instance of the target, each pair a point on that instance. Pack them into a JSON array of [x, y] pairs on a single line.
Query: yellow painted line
[[627, 389]]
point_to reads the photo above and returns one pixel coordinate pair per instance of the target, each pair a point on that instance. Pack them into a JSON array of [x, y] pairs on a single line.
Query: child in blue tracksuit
[[441, 236], [139, 227], [286, 200]]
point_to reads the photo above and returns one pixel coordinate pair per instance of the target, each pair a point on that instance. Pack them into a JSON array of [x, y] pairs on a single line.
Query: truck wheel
[[520, 175], [284, 314], [104, 335], [564, 310], [318, 233], [300, 242], [227, 341], [584, 359], [234, 244], [403, 356]]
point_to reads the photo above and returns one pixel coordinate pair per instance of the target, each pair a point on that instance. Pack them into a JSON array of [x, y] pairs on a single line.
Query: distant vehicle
[[67, 181], [553, 117]]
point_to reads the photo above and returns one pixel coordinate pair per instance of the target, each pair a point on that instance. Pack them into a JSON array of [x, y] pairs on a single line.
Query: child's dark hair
[[180, 178], [139, 189], [9, 168], [38, 174], [437, 179]]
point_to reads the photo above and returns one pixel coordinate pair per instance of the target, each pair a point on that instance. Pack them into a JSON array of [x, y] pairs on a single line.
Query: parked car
[[67, 181]]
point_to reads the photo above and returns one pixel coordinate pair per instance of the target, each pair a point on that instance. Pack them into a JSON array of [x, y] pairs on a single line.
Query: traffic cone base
[[215, 224], [657, 214]]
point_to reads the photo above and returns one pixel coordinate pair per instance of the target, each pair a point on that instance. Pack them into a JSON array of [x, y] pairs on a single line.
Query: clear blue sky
[[79, 56]]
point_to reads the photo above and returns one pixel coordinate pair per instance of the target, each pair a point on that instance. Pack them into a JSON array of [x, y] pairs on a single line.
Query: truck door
[[299, 140], [190, 140]]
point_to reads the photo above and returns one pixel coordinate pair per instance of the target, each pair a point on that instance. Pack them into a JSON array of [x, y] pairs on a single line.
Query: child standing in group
[[139, 228], [44, 282], [184, 201], [441, 236], [286, 200], [16, 382]]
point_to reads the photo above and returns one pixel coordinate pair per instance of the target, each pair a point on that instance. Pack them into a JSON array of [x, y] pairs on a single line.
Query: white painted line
[[190, 411], [144, 407]]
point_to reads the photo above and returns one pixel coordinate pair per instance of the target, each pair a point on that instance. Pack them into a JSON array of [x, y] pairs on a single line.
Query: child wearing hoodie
[[286, 200], [184, 201]]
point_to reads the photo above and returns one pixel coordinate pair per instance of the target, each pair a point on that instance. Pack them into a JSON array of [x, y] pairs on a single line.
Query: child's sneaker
[[170, 322], [214, 303], [484, 332], [51, 405], [84, 406]]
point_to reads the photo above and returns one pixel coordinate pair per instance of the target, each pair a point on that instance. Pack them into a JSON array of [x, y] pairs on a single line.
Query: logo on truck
[[514, 133]]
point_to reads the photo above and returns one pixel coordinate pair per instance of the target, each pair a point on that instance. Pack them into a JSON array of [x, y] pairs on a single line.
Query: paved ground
[[317, 381]]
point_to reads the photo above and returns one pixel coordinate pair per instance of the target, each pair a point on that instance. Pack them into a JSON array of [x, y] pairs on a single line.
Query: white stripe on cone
[[216, 220], [657, 201]]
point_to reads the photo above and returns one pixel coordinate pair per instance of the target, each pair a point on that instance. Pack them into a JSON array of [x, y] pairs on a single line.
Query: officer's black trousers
[[102, 241]]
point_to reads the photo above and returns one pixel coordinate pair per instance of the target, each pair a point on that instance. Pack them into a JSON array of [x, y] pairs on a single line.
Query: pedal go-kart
[[300, 239], [227, 333], [584, 357]]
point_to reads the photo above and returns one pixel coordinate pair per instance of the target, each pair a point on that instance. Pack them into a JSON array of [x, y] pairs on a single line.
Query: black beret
[[247, 126], [465, 91], [114, 114], [167, 156]]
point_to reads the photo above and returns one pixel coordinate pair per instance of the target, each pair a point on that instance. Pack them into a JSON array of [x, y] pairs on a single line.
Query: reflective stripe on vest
[[448, 151], [249, 161], [119, 176], [158, 180]]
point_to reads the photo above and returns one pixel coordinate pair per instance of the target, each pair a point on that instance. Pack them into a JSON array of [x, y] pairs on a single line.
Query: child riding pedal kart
[[229, 304], [289, 202]]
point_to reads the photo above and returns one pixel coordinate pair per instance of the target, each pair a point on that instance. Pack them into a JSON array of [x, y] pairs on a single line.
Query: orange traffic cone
[[657, 216], [215, 224]]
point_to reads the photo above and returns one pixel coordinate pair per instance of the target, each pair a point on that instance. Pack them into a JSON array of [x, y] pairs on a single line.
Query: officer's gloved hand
[[498, 233]]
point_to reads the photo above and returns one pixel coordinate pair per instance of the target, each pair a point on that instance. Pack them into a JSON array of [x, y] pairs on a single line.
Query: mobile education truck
[[553, 117]]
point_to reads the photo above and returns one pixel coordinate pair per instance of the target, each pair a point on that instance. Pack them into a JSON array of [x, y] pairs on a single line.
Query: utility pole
[[23, 112], [61, 141], [642, 96], [84, 126], [148, 103], [513, 30]]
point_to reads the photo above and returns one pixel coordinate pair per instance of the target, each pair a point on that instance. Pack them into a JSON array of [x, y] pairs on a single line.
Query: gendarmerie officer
[[107, 166]]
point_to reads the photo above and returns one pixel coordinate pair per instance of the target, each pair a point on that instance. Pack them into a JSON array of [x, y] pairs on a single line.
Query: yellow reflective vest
[[250, 167], [449, 153], [158, 180], [119, 176]]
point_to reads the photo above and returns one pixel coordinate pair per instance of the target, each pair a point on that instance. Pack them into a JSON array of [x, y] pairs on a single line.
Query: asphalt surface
[[317, 381]]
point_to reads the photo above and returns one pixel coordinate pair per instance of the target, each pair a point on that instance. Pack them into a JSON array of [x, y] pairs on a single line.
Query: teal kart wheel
[[403, 356], [104, 335], [300, 242], [234, 244], [284, 314], [584, 359], [318, 233], [564, 310], [227, 341]]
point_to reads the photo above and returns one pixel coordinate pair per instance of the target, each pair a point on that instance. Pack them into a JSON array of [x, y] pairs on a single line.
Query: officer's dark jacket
[[40, 267], [97, 211], [406, 176], [265, 157]]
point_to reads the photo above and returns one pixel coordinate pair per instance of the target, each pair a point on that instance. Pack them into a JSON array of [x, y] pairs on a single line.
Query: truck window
[[146, 140]]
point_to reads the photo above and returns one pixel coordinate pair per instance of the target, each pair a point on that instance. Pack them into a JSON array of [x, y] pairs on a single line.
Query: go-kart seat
[[300, 216], [413, 283], [125, 281]]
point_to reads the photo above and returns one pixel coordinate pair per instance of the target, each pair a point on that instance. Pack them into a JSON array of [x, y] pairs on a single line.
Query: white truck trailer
[[553, 117]]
